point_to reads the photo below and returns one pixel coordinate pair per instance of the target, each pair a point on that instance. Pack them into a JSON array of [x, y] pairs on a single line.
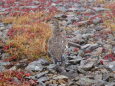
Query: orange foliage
[[28, 38]]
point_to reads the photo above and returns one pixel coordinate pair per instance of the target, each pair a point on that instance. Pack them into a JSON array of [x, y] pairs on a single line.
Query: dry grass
[[109, 17], [28, 38]]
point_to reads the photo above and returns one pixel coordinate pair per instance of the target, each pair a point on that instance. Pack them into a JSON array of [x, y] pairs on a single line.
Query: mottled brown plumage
[[57, 43]]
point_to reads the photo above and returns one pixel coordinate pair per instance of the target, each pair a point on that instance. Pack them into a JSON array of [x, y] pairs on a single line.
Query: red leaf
[[110, 57], [27, 74]]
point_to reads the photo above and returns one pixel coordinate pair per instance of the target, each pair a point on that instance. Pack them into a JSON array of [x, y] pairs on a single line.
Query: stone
[[1, 25], [98, 76], [60, 77], [76, 60], [34, 67], [111, 66], [89, 47], [2, 68], [97, 20], [41, 74], [86, 65], [4, 63], [42, 79], [98, 9], [73, 45], [51, 66], [86, 81]]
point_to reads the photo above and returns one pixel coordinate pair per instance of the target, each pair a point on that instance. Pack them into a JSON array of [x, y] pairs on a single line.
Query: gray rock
[[2, 68], [100, 83], [98, 9], [63, 9], [75, 60], [4, 63], [34, 67], [111, 84], [89, 47], [42, 79], [98, 76], [111, 66], [86, 81], [41, 74], [97, 20], [51, 66], [36, 2], [113, 50], [37, 65], [2, 28], [24, 7], [60, 77], [71, 44], [86, 65], [85, 36], [1, 25]]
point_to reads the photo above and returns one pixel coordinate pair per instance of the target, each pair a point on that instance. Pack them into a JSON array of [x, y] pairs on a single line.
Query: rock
[[13, 68], [100, 83], [98, 76], [37, 65], [73, 45], [15, 79], [89, 47], [4, 63], [63, 9], [42, 79], [1, 25], [86, 36], [36, 2], [2, 68], [81, 23], [86, 81], [25, 7], [97, 52], [97, 20], [98, 9], [86, 65], [34, 68], [113, 50], [41, 74], [2, 28], [105, 76], [111, 84], [111, 66], [75, 60], [51, 66], [60, 77], [5, 56]]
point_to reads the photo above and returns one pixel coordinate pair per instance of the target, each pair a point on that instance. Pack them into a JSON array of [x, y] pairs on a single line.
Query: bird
[[57, 43]]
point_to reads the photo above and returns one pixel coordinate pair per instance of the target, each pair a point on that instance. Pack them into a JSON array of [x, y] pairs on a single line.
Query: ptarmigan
[[57, 43]]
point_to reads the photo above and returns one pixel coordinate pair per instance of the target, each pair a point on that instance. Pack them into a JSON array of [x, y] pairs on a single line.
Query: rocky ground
[[89, 57]]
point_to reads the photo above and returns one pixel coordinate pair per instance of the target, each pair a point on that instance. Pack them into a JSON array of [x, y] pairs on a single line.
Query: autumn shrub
[[109, 17], [28, 36], [14, 78]]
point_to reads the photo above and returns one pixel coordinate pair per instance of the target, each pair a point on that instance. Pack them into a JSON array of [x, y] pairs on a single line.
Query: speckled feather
[[57, 43]]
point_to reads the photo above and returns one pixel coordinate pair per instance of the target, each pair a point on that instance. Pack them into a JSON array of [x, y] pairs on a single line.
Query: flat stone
[[60, 77], [34, 67], [86, 65], [4, 63], [2, 68], [86, 81], [42, 79], [41, 74]]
